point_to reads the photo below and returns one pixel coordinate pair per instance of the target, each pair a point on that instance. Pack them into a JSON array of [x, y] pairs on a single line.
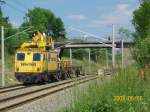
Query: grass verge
[[124, 93]]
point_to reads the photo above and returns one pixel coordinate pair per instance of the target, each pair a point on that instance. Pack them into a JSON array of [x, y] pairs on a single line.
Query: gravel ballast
[[55, 102]]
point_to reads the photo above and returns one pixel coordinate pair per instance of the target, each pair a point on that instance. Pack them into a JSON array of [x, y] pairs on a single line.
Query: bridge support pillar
[[113, 46], [106, 57], [70, 56], [122, 52], [89, 60]]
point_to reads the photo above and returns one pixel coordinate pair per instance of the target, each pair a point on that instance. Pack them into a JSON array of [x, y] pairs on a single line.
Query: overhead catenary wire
[[19, 33], [95, 36], [17, 27], [16, 8], [21, 5]]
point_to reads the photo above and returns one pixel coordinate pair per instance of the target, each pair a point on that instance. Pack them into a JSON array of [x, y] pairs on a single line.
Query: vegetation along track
[[18, 100]]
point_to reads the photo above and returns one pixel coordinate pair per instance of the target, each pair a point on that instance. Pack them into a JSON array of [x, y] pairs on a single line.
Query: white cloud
[[122, 14], [77, 17], [124, 9]]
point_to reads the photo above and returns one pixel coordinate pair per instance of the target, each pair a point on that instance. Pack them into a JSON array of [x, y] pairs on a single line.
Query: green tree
[[44, 20], [141, 19], [80, 54], [141, 22], [125, 33]]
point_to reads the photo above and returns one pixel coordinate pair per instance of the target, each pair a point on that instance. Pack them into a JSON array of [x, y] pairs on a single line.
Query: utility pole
[[89, 60], [70, 56], [122, 52], [113, 46], [2, 56]]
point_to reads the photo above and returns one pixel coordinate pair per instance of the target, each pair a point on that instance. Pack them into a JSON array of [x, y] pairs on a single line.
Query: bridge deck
[[94, 45]]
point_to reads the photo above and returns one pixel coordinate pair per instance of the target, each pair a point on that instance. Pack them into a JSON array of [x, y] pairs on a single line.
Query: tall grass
[[100, 98], [9, 70]]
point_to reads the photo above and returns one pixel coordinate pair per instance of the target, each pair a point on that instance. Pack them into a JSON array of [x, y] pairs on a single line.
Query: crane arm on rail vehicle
[[40, 40]]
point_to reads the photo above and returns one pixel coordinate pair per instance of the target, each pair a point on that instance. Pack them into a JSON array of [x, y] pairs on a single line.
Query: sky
[[92, 16]]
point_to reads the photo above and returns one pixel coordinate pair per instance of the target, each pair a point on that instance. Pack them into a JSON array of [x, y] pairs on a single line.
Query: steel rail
[[12, 88], [18, 100]]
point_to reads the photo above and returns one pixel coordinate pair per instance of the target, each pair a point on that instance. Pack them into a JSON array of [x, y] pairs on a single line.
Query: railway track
[[45, 90], [12, 88], [7, 87]]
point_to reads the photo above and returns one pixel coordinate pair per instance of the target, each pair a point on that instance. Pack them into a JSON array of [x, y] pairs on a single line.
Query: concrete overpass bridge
[[74, 45], [90, 45]]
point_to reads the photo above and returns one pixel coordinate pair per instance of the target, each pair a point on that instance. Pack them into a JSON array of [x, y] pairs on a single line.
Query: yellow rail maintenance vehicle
[[38, 61]]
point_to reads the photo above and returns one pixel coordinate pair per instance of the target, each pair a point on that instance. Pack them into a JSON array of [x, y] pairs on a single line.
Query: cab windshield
[[36, 56], [20, 56]]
